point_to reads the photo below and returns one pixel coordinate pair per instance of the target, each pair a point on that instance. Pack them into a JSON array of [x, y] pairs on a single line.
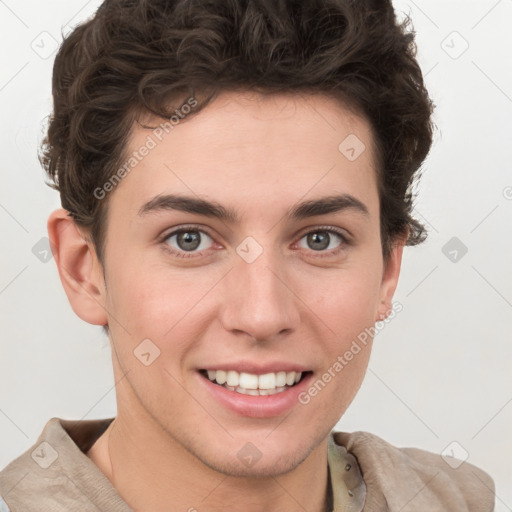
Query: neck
[[150, 470]]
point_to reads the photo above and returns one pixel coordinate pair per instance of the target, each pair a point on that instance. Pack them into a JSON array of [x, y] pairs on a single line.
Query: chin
[[265, 467]]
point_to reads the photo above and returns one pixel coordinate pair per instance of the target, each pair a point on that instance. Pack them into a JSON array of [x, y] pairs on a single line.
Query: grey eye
[[320, 240], [188, 240]]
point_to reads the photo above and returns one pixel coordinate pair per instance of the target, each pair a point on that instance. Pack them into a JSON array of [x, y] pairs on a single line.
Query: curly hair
[[135, 57]]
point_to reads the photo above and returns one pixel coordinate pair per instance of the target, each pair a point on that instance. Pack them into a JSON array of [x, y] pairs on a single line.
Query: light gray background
[[440, 372]]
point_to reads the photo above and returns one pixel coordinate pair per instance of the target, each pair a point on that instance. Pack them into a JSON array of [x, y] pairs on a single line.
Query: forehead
[[244, 146]]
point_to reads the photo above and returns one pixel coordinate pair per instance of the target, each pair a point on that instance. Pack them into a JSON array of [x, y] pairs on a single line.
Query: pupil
[[323, 239], [188, 240]]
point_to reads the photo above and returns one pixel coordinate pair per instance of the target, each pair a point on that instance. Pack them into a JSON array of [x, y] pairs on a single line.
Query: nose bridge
[[258, 299]]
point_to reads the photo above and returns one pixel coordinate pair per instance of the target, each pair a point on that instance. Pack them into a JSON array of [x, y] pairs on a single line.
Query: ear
[[79, 269], [390, 277]]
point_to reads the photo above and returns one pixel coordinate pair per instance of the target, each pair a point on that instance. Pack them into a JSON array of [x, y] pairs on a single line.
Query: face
[[268, 287]]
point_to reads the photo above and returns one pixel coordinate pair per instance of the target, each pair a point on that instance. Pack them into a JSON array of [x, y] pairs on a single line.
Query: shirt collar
[[347, 487]]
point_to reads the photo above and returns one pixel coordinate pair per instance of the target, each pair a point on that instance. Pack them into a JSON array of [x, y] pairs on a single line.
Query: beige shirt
[[366, 474]]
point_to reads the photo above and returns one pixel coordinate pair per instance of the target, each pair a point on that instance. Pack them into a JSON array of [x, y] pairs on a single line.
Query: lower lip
[[266, 406]]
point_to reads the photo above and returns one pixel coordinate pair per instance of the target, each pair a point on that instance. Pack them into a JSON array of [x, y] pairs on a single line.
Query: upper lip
[[257, 369]]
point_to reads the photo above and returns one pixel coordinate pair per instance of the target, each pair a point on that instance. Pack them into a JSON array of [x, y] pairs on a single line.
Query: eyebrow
[[306, 209]]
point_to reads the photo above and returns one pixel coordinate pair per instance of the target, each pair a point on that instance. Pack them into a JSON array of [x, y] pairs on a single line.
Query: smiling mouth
[[252, 384]]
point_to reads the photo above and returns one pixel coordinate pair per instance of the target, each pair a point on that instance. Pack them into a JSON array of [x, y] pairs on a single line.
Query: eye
[[324, 240], [187, 240]]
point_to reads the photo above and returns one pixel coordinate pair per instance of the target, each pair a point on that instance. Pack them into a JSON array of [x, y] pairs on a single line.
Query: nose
[[259, 299]]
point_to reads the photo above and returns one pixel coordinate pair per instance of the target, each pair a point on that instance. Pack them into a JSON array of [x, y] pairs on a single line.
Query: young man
[[235, 181]]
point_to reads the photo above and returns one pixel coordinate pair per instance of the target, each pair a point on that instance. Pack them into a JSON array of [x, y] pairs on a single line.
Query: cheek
[[346, 310], [346, 299], [344, 306], [158, 302], [136, 299], [150, 325]]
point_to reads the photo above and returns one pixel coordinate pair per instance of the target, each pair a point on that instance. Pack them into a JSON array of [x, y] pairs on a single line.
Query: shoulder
[[3, 506], [55, 474], [410, 479], [25, 474]]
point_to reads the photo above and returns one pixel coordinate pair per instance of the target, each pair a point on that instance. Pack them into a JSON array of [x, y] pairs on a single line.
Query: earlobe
[[390, 280], [79, 269]]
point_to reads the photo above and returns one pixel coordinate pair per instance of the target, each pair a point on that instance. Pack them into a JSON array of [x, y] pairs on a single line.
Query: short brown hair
[[137, 56]]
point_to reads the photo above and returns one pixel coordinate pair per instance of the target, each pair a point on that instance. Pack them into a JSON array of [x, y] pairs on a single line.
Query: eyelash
[[323, 229]]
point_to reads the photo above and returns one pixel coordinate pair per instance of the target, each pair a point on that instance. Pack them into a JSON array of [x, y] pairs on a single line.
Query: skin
[[289, 304]]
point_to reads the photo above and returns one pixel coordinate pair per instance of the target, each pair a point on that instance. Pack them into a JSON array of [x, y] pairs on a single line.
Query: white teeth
[[251, 384], [233, 378], [267, 381], [248, 381], [280, 379], [220, 377]]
